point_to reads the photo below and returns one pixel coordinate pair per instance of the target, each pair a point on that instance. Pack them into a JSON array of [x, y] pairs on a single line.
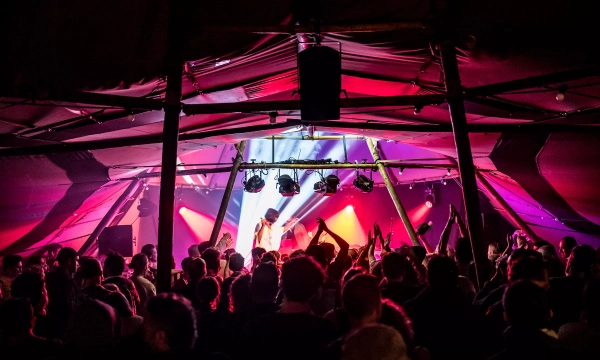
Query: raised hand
[[229, 242], [388, 240], [370, 239], [322, 224], [376, 229]]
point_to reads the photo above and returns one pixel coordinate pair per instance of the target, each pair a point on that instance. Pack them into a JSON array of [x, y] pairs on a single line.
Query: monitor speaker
[[116, 239], [320, 76]]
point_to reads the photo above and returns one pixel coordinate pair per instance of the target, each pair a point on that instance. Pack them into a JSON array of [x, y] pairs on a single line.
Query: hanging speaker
[[320, 74], [116, 239]]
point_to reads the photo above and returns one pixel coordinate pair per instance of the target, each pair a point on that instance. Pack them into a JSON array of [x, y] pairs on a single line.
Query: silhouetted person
[[30, 285], [566, 245], [62, 289], [170, 326], [527, 311], [375, 342], [566, 293], [212, 258], [196, 270], [17, 320], [114, 266], [12, 266], [145, 289], [94, 329], [150, 251], [91, 272], [393, 267], [293, 331], [440, 314]]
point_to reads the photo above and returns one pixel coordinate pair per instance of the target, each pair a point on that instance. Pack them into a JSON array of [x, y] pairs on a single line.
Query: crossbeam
[[323, 28]]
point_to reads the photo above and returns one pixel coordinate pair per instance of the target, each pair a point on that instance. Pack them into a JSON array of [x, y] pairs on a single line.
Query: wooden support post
[[169, 148], [227, 195], [388, 183], [465, 158], [86, 248], [493, 194]]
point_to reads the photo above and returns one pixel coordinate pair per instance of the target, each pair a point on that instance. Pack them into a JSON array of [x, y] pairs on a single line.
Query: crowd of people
[[328, 301]]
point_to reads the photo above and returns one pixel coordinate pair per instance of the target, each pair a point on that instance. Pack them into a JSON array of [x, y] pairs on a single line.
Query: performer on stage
[[267, 235]]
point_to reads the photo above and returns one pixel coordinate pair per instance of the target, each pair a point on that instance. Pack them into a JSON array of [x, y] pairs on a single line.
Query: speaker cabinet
[[320, 76], [116, 239]]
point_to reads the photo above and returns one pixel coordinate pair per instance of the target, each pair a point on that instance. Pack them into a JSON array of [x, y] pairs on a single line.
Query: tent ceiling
[[118, 48]]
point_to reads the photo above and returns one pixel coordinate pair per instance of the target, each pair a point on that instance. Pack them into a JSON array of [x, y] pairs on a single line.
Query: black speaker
[[117, 239], [320, 76]]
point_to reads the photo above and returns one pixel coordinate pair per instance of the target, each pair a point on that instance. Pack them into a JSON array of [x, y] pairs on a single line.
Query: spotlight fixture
[[287, 185], [561, 93], [363, 183], [401, 171], [429, 197], [448, 173], [418, 109], [253, 185], [327, 186], [273, 117]]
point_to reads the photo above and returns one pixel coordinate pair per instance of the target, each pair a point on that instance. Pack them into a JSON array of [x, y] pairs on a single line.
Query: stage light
[[363, 183], [429, 197], [327, 186], [182, 210], [400, 171], [418, 109], [349, 209], [287, 185], [448, 173], [254, 185]]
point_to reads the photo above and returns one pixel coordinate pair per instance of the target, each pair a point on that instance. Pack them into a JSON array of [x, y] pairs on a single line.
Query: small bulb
[[410, 186], [560, 96], [206, 192], [147, 187], [400, 172], [444, 182], [448, 173], [131, 117]]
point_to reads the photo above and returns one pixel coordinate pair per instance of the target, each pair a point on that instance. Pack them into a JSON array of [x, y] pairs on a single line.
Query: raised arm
[[259, 233], [426, 244], [385, 244], [343, 244], [315, 239], [362, 260], [225, 242], [442, 247], [461, 225], [509, 246]]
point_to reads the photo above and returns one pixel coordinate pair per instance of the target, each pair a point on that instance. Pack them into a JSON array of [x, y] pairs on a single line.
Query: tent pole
[[516, 219], [169, 154], [393, 194], [110, 214], [465, 157], [227, 195]]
